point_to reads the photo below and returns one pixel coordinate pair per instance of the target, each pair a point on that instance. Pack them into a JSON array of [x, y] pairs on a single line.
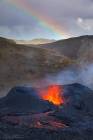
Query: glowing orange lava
[[53, 94]]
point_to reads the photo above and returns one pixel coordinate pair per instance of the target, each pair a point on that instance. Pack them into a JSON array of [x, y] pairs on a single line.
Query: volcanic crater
[[69, 110]]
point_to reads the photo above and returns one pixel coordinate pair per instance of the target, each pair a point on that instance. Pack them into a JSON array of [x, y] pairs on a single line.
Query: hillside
[[78, 48], [35, 41], [23, 64]]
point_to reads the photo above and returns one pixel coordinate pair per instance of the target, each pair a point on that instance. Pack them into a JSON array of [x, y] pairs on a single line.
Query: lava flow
[[53, 94]]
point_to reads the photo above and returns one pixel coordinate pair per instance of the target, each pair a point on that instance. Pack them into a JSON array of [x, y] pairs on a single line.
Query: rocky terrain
[[71, 120], [75, 48], [22, 64], [25, 100]]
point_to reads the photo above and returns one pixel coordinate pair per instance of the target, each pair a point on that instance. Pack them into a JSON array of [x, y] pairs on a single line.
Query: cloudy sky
[[54, 19]]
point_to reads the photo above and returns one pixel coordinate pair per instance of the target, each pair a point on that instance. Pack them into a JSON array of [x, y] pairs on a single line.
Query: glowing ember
[[53, 94]]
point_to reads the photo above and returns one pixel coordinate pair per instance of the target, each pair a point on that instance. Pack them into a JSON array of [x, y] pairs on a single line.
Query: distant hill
[[80, 48], [35, 41], [21, 63], [4, 41]]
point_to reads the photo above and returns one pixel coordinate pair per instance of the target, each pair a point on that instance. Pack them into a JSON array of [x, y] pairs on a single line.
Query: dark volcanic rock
[[23, 133], [79, 97], [24, 100], [78, 105], [76, 113]]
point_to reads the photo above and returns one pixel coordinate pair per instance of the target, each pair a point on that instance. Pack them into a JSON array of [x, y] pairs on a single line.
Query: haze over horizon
[[52, 19]]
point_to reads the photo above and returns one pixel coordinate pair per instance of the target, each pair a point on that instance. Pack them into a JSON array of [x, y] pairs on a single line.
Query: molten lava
[[53, 94]]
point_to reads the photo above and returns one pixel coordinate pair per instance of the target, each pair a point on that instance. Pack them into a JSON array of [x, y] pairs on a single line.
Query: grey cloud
[[65, 13], [65, 8]]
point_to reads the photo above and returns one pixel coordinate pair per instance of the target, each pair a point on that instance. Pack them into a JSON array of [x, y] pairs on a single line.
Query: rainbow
[[44, 20]]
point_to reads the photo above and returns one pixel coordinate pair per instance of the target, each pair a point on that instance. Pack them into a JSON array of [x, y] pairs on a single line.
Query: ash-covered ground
[[24, 115]]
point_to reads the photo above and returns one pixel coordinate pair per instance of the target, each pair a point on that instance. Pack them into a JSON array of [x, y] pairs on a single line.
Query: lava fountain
[[53, 93]]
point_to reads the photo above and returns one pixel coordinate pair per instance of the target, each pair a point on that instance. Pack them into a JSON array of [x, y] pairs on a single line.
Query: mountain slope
[[75, 48], [22, 64], [35, 41], [20, 58]]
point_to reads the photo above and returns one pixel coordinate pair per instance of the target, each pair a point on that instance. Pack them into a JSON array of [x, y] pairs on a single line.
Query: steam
[[82, 75], [64, 77], [86, 76]]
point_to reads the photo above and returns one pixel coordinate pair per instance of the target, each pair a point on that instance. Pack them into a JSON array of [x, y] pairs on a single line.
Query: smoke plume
[[83, 75]]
